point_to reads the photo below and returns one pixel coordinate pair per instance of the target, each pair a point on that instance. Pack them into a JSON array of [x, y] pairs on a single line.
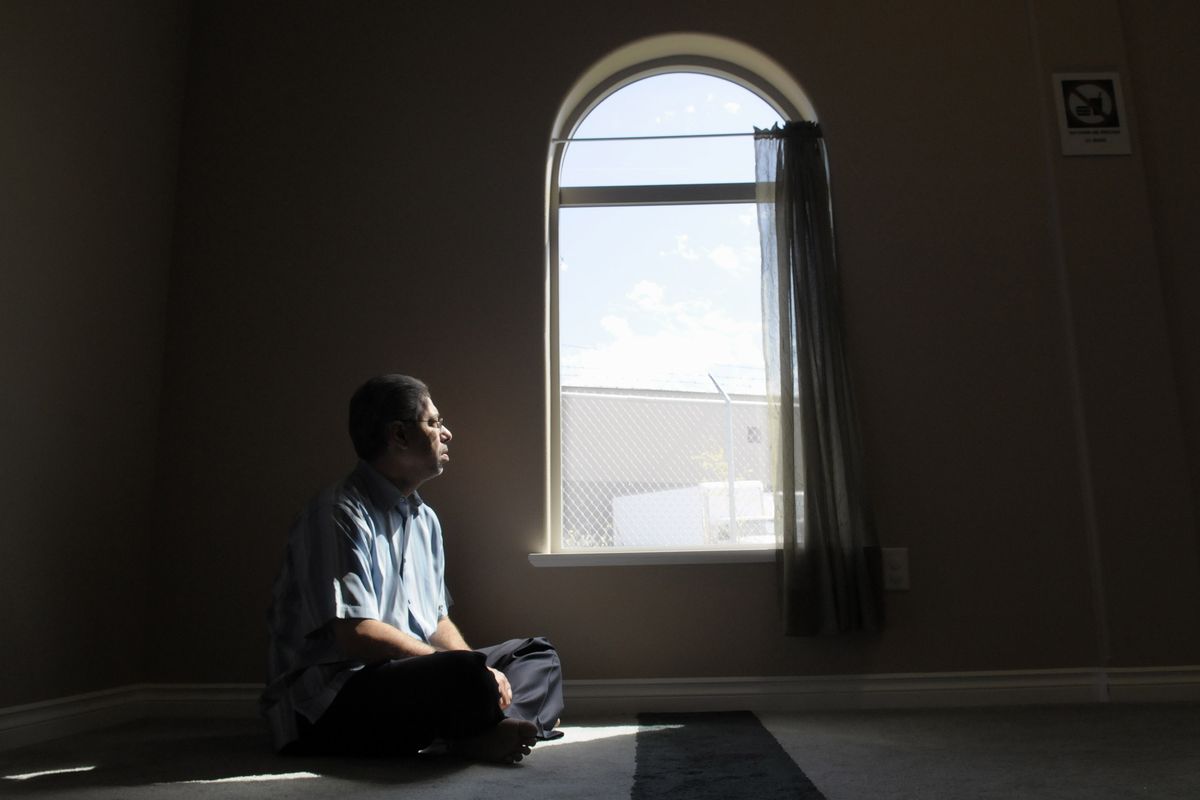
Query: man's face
[[430, 440]]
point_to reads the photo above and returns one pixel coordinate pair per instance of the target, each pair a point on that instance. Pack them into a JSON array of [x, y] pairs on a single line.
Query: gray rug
[[723, 756], [1090, 752]]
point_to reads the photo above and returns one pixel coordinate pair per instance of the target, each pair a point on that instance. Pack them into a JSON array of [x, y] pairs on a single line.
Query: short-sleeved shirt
[[360, 550]]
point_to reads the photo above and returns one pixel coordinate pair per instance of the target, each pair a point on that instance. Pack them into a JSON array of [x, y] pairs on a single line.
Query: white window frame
[[790, 103]]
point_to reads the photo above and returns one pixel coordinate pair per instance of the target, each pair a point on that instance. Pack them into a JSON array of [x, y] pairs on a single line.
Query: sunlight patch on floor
[[577, 735], [27, 775], [281, 776]]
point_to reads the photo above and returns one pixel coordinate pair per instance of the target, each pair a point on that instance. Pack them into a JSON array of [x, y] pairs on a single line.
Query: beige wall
[[1161, 40], [362, 188], [89, 96], [1136, 464], [364, 191]]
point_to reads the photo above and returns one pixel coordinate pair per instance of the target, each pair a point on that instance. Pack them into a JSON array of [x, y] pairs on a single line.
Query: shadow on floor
[[159, 752]]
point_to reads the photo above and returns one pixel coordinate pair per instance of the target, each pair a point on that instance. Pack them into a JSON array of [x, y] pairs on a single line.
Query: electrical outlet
[[895, 569]]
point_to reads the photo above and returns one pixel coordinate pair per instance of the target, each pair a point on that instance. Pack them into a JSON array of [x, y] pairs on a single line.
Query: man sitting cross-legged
[[364, 657]]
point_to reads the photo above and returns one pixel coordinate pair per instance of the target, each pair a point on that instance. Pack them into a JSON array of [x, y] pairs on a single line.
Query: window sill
[[638, 558]]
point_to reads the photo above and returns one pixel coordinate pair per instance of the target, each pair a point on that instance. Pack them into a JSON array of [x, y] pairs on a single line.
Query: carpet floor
[[1059, 753]]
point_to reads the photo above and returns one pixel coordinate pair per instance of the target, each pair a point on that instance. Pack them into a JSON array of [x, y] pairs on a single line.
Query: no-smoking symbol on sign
[[1090, 104], [1091, 114]]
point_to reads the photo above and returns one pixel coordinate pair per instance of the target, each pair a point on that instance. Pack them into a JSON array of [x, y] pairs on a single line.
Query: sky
[[657, 297]]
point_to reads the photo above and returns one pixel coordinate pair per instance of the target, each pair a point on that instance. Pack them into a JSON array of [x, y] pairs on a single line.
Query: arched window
[[658, 412]]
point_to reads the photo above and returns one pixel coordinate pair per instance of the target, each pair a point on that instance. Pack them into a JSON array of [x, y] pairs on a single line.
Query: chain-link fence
[[664, 469]]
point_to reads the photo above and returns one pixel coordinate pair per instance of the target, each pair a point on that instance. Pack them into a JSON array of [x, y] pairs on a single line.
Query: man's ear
[[396, 434]]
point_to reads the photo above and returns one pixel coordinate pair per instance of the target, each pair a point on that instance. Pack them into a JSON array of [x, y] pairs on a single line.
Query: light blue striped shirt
[[360, 550]]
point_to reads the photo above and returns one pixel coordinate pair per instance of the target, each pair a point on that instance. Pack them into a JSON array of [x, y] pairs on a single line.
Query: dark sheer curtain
[[829, 554]]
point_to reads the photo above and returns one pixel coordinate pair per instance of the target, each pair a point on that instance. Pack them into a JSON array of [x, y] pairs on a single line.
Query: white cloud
[[684, 250], [726, 258], [733, 260], [617, 327], [665, 343], [647, 294], [732, 107]]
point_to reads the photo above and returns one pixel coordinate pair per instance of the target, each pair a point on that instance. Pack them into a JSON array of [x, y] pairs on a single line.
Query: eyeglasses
[[437, 423]]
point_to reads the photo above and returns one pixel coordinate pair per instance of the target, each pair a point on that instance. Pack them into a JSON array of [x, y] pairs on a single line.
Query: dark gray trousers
[[403, 705]]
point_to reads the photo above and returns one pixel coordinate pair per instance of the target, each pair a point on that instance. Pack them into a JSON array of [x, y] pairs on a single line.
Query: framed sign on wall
[[1091, 114]]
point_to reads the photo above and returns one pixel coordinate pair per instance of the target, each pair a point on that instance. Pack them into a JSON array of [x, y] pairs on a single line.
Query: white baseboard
[[925, 690], [34, 722], [52, 719], [1154, 684], [836, 692]]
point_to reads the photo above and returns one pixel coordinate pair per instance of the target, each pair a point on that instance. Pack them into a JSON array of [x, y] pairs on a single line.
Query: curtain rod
[[646, 138]]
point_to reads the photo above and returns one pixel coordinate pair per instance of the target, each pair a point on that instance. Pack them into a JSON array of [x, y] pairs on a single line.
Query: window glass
[[662, 410], [656, 297], [674, 105]]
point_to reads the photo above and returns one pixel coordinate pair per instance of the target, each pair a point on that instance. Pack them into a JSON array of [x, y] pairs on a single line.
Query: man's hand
[[505, 689]]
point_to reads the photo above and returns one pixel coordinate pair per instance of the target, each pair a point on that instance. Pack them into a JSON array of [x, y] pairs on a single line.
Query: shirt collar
[[383, 493]]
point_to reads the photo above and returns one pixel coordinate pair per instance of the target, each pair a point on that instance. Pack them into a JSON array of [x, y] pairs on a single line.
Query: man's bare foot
[[507, 743]]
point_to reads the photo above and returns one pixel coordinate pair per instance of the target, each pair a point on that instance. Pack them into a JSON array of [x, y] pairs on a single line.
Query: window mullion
[[656, 195]]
